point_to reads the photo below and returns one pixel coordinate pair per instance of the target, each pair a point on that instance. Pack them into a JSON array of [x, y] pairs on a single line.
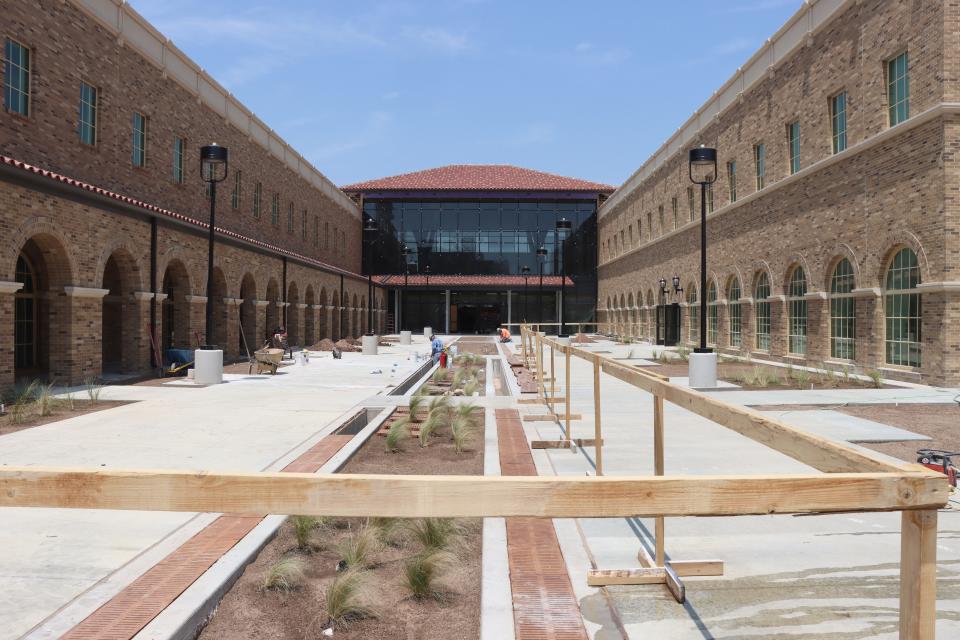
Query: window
[[898, 89], [762, 307], [25, 316], [691, 203], [735, 314], [693, 313], [631, 235], [903, 310], [343, 242], [139, 139], [235, 193], [842, 311], [257, 198], [178, 160], [290, 218], [793, 146], [760, 162], [16, 78], [798, 312], [316, 231], [275, 210], [663, 223], [303, 225], [838, 121], [712, 313], [732, 180], [650, 225], [87, 126], [708, 193], [676, 216], [326, 236]]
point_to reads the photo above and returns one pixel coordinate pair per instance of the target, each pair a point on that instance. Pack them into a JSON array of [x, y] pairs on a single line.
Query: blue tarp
[[179, 356]]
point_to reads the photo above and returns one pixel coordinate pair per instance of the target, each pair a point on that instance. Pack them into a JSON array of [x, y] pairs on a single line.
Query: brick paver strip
[[124, 615], [544, 606]]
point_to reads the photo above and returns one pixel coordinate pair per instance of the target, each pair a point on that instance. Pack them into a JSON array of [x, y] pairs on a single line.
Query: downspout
[[153, 290], [284, 296], [342, 307]]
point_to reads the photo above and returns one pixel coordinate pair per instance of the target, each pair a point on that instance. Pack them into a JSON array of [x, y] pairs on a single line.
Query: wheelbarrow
[[268, 359]]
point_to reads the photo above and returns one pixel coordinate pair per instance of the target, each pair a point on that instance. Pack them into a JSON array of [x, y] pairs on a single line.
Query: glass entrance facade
[[485, 237]]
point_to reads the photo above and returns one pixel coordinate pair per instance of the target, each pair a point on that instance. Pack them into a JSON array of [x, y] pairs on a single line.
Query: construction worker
[[436, 347], [504, 334]]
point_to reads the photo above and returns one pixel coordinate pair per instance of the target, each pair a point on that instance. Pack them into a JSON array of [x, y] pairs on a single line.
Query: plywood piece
[[411, 496]]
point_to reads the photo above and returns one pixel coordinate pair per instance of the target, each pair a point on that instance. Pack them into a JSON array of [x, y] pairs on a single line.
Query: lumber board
[[412, 496], [605, 577], [549, 417], [918, 575], [562, 444], [675, 585], [685, 568]]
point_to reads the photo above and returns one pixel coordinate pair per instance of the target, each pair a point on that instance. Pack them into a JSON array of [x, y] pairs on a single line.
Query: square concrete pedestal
[[370, 345], [703, 370], [208, 366]]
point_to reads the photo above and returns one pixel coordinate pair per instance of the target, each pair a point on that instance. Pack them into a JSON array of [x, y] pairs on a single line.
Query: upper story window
[[326, 235], [139, 139], [732, 180], [178, 149], [708, 192], [303, 226], [235, 193], [87, 127], [760, 162], [16, 78], [257, 197], [838, 121], [316, 231], [676, 213], [290, 218], [275, 210], [898, 89], [691, 203], [650, 225], [793, 146], [663, 224]]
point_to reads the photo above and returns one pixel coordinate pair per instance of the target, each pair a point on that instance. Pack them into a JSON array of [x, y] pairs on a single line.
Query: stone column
[[870, 328], [723, 325], [76, 340], [778, 325], [748, 337], [160, 329], [232, 318], [7, 291], [198, 321], [260, 324], [298, 311], [136, 350], [818, 327]]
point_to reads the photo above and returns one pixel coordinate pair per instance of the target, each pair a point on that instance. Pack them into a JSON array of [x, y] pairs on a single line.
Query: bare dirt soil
[[485, 348], [250, 612], [753, 377], [62, 411]]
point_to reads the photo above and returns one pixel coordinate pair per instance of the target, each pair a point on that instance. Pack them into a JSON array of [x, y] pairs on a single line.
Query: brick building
[[103, 211], [834, 232]]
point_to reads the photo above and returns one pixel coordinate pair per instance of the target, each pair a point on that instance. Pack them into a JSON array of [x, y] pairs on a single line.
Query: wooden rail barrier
[[853, 481], [837, 462]]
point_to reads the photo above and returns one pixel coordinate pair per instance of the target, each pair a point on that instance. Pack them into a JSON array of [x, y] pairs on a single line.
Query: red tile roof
[[169, 214], [420, 280], [479, 177]]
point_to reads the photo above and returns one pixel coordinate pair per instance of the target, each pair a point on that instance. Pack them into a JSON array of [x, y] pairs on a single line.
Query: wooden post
[[553, 378], [541, 385], [597, 434], [566, 398], [523, 344], [918, 574], [658, 471]]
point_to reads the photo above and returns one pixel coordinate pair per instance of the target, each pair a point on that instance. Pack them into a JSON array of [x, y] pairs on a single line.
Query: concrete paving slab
[[844, 427], [838, 397]]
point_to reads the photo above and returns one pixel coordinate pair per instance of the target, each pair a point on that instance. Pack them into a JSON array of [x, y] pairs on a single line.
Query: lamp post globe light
[[525, 270], [703, 361], [406, 252], [208, 360], [563, 228], [541, 258]]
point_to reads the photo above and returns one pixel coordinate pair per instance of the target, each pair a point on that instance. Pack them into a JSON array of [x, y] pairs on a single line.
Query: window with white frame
[[236, 191], [257, 199], [838, 121], [713, 313], [732, 180], [16, 78], [761, 305], [760, 165], [693, 313], [139, 139], [178, 152], [898, 89], [842, 311], [903, 310], [793, 146], [87, 124], [734, 313], [797, 329]]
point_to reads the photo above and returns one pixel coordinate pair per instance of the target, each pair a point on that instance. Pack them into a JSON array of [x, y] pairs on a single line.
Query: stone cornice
[[10, 287], [85, 292], [195, 299]]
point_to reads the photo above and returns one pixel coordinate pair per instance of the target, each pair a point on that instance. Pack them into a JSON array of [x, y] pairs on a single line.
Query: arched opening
[[622, 326], [248, 315], [797, 307], [43, 269], [273, 310], [309, 336], [324, 315], [902, 309], [364, 320], [713, 319], [355, 321], [335, 316], [293, 315], [843, 311], [632, 329], [119, 316], [220, 318], [735, 312], [693, 314], [176, 308], [761, 305]]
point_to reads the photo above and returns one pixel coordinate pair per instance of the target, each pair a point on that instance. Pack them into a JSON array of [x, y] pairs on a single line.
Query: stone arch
[[293, 314], [218, 292], [324, 328], [120, 317], [40, 325], [763, 267], [335, 315], [119, 246], [175, 284], [790, 265], [889, 248], [177, 253], [309, 314], [248, 315], [830, 260], [48, 237]]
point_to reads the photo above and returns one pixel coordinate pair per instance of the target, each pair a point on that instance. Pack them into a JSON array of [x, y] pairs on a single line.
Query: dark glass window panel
[[469, 220], [509, 216]]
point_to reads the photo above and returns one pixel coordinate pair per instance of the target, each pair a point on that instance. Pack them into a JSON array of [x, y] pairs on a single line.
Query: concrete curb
[[496, 598]]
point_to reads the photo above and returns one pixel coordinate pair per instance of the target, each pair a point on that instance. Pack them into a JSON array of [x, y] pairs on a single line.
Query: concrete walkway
[[805, 577], [52, 557]]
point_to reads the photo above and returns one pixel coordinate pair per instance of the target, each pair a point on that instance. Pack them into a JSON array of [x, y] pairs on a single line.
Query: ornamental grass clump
[[431, 425], [421, 571], [46, 403], [23, 402], [462, 431], [416, 405], [357, 550], [350, 597], [286, 574], [398, 432], [303, 527], [436, 534]]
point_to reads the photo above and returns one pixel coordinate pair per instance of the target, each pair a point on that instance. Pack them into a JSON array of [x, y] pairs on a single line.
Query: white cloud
[[437, 38], [369, 134], [758, 6]]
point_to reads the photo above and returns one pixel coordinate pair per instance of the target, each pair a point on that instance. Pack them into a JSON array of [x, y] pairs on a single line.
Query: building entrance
[[477, 312]]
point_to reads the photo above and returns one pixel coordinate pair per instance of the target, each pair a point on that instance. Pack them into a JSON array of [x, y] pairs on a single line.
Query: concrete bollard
[[406, 337], [370, 345], [208, 366]]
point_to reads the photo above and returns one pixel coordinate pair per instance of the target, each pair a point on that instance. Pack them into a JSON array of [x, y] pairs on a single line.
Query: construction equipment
[[940, 460]]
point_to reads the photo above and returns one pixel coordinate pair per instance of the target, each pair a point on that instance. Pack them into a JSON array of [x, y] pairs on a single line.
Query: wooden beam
[[566, 394], [674, 585], [549, 417], [820, 453], [659, 525], [410, 496], [562, 444], [606, 577], [918, 575], [685, 568], [597, 429]]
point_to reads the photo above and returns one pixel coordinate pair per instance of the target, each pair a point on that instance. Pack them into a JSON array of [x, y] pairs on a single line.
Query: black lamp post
[[703, 171], [213, 169], [563, 227], [663, 290], [426, 271], [541, 258], [370, 227], [676, 285], [405, 251], [525, 270]]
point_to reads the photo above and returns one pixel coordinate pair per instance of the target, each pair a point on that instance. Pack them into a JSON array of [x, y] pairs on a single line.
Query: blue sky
[[367, 89]]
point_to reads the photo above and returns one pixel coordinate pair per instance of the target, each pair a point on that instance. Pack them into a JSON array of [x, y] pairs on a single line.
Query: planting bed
[[61, 411], [456, 379], [753, 377], [250, 611]]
